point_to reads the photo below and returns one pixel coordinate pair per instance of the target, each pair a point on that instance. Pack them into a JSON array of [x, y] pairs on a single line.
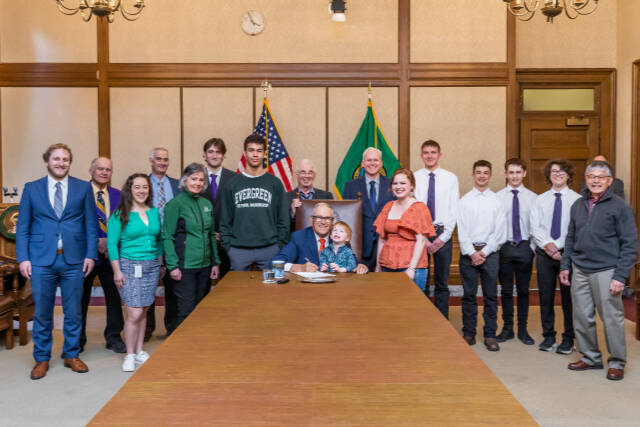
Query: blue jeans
[[420, 278]]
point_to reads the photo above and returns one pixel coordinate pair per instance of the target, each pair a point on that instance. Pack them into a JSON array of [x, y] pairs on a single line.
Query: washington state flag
[[369, 135]]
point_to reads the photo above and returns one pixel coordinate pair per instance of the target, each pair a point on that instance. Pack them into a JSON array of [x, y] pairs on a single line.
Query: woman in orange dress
[[404, 226]]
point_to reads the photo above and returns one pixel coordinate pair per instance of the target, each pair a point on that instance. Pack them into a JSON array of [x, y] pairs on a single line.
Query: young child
[[338, 256]]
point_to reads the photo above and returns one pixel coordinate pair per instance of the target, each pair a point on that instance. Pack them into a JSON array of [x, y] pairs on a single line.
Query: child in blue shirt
[[338, 256]]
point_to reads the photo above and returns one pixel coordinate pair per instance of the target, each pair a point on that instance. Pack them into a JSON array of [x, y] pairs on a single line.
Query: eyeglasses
[[598, 177], [322, 218], [305, 173], [557, 172]]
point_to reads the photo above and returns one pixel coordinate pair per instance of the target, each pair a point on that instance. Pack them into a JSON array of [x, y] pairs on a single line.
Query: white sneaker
[[142, 357], [129, 364]]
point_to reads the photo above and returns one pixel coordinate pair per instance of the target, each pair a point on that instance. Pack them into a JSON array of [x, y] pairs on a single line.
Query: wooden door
[[549, 137]]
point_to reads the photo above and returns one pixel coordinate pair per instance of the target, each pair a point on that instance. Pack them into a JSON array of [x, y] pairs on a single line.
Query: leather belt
[[59, 251]]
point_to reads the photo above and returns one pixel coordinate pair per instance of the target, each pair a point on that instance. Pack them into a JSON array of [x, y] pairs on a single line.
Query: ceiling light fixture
[[102, 9], [525, 9]]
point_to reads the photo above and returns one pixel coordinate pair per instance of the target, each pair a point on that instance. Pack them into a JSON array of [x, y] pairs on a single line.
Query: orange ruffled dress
[[400, 235]]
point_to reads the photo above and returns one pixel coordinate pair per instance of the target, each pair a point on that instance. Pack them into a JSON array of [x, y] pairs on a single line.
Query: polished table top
[[366, 350]]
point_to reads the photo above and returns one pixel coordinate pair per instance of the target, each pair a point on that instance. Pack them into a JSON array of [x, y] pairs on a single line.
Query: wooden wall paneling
[[513, 91], [404, 60], [48, 75], [635, 164], [459, 74], [104, 106], [326, 140]]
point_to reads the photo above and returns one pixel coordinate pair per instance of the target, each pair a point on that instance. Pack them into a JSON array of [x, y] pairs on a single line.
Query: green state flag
[[369, 135]]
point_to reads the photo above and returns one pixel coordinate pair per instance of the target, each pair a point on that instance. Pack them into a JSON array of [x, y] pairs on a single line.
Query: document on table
[[314, 275]]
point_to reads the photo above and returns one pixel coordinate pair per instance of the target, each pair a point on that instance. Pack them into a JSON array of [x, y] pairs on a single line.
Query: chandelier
[[525, 9], [102, 9]]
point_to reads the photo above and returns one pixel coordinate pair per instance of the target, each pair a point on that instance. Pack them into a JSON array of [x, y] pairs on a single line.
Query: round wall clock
[[252, 22]]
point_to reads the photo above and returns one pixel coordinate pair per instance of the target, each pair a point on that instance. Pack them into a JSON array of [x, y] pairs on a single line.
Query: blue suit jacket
[[359, 185], [38, 226], [301, 247]]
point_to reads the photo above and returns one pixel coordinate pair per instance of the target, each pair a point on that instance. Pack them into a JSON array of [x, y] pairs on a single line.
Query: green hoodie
[[188, 233]]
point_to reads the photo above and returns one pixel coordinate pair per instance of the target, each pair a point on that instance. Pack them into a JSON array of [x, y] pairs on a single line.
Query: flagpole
[[266, 87]]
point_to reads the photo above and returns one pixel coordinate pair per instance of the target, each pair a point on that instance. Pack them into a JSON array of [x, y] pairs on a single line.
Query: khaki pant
[[590, 291]]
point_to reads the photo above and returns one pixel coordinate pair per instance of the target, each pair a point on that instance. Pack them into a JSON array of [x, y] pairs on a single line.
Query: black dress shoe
[[491, 344], [117, 347], [525, 337], [506, 334], [469, 339]]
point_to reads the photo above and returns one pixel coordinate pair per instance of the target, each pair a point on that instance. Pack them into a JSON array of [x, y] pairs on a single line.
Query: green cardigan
[[137, 241]]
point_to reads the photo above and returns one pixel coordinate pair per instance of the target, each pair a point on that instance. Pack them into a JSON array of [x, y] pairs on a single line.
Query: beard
[[56, 174]]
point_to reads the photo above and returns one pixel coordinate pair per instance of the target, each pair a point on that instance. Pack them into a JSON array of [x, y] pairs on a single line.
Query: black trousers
[[516, 262], [189, 291], [169, 308], [371, 260], [441, 266], [488, 273], [225, 263], [115, 320], [548, 270]]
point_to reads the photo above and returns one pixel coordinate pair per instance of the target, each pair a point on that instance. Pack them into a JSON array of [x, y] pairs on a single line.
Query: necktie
[[557, 217], [57, 200], [305, 196], [102, 214], [431, 195], [372, 195], [162, 199], [214, 186], [515, 218], [321, 242]]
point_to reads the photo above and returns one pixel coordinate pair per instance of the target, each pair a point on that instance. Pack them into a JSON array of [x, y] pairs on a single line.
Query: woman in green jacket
[[189, 240]]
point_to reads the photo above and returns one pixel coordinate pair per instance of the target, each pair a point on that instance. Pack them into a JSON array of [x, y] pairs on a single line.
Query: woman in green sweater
[[135, 251], [189, 238]]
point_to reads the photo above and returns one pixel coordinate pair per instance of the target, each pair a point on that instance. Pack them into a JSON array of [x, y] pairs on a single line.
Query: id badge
[[137, 271]]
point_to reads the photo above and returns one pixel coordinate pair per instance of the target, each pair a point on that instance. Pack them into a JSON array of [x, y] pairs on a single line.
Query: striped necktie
[[162, 199], [57, 200], [102, 214]]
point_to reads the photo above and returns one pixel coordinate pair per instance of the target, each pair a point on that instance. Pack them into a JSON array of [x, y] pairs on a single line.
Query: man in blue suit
[[106, 199], [302, 253], [56, 246], [376, 192], [164, 188]]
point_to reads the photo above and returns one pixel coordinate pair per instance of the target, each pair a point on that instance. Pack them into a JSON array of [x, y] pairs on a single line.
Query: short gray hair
[[153, 151], [191, 169], [323, 205], [598, 165], [371, 150]]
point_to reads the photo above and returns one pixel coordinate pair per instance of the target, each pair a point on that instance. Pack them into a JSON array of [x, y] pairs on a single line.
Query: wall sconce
[[338, 8]]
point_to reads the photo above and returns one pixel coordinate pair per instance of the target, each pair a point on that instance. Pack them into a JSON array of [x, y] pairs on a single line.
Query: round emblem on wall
[[8, 222]]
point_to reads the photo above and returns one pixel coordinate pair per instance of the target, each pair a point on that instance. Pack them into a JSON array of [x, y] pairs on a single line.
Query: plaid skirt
[[139, 291]]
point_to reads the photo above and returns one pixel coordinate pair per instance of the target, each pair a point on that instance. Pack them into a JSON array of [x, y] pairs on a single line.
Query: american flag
[[278, 162]]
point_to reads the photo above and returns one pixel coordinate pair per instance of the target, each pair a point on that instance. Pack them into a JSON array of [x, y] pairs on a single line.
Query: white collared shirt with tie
[[481, 218], [526, 199], [542, 216], [51, 188], [447, 193]]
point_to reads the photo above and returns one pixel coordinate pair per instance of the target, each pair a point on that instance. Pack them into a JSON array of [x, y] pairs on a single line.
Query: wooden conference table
[[367, 350]]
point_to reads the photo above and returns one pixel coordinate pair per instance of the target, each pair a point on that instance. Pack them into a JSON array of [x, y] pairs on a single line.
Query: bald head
[[305, 174]]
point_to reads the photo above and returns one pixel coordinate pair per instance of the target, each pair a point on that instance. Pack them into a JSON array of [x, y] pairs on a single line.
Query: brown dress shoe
[[469, 339], [581, 365], [40, 370], [76, 365], [491, 344], [615, 374]]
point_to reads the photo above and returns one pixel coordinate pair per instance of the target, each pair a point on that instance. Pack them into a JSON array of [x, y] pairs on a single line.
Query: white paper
[[314, 275]]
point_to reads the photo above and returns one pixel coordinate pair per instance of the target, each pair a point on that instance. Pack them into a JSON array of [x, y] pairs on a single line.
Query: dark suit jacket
[[226, 176], [38, 226], [174, 185], [301, 246], [617, 186], [359, 185], [318, 194]]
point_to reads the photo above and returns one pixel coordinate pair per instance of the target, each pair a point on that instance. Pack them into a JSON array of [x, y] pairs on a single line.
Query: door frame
[[602, 80], [635, 163]]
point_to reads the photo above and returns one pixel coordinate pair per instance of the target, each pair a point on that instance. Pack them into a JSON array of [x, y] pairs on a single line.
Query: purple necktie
[[214, 185], [557, 217], [515, 218], [431, 195]]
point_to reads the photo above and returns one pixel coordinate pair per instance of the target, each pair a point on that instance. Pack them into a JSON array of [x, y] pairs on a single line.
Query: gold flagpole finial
[[369, 91], [266, 86]]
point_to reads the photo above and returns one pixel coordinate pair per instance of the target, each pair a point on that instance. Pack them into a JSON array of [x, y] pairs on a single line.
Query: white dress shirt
[[447, 193], [526, 199], [481, 218], [287, 266], [51, 186], [542, 216], [218, 175], [376, 186]]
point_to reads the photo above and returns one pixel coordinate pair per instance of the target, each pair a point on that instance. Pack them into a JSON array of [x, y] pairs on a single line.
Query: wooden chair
[[7, 305], [25, 307], [349, 211]]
